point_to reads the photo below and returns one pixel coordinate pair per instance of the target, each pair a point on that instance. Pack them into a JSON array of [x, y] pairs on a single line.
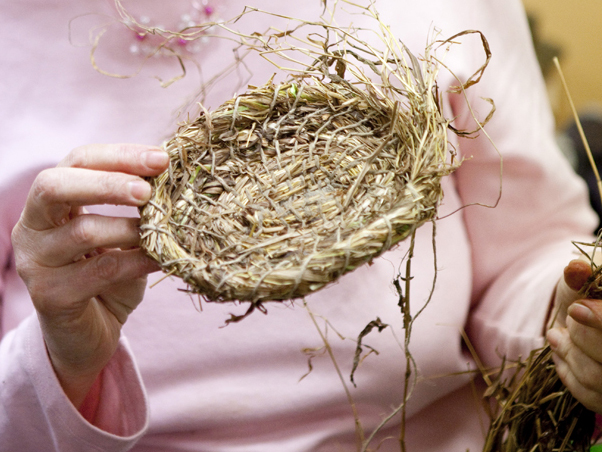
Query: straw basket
[[283, 189]]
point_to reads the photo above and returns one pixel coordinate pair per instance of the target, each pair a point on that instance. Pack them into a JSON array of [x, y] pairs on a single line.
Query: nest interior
[[283, 189]]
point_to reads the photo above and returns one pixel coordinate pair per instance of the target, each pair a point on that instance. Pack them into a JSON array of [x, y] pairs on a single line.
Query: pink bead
[[140, 36], [208, 11], [182, 41]]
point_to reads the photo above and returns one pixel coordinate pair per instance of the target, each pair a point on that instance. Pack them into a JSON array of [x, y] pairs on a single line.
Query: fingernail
[[580, 313], [577, 273], [553, 337], [140, 190], [156, 159]]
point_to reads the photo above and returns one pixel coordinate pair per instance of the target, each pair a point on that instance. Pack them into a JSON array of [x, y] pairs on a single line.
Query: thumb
[[576, 274]]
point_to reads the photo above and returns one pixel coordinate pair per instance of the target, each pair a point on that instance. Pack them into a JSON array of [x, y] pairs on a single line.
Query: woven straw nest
[[285, 188]]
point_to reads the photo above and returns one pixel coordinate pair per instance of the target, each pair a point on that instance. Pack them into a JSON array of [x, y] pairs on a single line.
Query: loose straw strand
[[579, 127]]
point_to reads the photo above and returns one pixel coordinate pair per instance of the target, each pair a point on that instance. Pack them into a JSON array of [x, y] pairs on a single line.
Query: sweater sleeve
[[35, 413], [520, 247]]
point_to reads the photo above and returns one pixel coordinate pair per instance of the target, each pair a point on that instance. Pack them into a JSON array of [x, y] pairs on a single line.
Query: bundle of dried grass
[[539, 414], [285, 188]]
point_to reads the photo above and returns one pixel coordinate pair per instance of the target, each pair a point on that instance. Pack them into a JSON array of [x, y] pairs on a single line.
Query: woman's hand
[[84, 272], [576, 338]]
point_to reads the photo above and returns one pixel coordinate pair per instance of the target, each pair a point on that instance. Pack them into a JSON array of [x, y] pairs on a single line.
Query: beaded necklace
[[188, 34]]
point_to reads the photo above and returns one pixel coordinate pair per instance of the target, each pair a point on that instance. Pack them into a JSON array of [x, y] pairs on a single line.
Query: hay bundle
[[539, 414], [285, 188]]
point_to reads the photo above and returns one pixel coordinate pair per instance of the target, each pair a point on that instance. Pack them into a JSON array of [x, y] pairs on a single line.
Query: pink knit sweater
[[180, 380]]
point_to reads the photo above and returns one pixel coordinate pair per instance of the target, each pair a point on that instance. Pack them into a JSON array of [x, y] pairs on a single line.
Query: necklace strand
[[150, 38]]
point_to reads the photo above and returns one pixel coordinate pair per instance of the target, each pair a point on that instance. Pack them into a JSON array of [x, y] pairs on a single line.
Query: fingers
[[579, 386], [103, 276], [581, 374], [584, 326], [123, 158], [90, 175], [81, 236], [55, 192], [577, 354]]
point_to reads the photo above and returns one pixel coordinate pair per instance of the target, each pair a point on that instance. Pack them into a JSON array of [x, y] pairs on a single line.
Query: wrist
[[76, 384]]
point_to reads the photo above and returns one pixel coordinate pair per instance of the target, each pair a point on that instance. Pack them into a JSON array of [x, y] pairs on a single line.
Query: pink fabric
[[181, 382], [36, 415]]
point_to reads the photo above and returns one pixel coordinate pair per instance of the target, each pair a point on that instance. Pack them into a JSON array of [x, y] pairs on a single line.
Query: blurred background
[[572, 31]]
